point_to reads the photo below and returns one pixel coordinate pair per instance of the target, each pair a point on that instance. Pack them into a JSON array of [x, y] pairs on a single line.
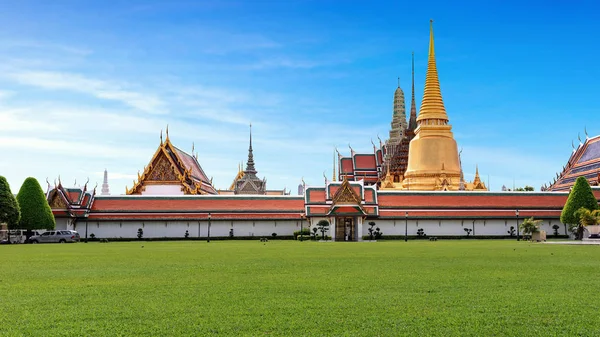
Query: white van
[[19, 235]]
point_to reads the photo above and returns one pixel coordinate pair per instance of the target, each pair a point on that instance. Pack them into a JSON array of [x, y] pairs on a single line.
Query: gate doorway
[[344, 229]]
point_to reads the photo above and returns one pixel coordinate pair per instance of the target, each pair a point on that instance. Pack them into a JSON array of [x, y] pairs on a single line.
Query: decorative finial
[[324, 176], [59, 182], [167, 132], [75, 183], [87, 181], [47, 182], [398, 81], [579, 136], [380, 142], [303, 183], [161, 140], [585, 131], [573, 145], [192, 148]]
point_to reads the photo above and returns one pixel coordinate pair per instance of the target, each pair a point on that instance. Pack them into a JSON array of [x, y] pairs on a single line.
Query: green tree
[[9, 207], [323, 226], [35, 211], [586, 218], [530, 226], [581, 196]]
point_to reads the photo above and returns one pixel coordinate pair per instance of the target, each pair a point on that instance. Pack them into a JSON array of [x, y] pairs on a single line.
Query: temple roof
[[195, 207], [584, 161], [171, 165], [70, 201]]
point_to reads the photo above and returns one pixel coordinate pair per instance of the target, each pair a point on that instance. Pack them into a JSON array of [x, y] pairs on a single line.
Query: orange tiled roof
[[512, 200], [201, 203]]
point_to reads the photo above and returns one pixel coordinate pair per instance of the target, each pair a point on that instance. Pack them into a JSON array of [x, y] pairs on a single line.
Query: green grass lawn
[[193, 288]]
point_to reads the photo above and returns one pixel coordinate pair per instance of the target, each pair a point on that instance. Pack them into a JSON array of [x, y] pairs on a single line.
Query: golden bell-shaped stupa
[[433, 162]]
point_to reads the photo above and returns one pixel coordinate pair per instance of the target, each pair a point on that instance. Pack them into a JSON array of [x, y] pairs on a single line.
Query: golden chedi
[[433, 162]]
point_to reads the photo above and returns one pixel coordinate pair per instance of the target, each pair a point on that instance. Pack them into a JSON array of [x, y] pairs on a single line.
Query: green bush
[[9, 207], [35, 211], [304, 231], [581, 196]]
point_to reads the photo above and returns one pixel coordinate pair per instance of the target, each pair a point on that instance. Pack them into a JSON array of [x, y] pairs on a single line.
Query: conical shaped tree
[[35, 211], [9, 208], [581, 196]]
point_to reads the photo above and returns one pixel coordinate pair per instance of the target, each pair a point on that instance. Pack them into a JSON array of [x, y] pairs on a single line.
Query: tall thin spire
[[105, 189], [412, 122], [250, 164], [432, 106], [333, 177]]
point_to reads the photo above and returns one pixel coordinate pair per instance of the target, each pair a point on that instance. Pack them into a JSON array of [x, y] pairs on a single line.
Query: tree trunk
[[580, 232]]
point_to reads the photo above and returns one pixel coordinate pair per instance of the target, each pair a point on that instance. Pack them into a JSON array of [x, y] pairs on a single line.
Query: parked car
[[20, 235], [58, 236]]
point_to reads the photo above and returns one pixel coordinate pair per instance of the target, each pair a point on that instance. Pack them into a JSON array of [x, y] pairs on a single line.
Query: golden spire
[[334, 165], [432, 106], [476, 180], [167, 139]]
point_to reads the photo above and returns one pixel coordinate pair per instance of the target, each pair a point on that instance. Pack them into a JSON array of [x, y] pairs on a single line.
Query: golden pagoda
[[433, 162]]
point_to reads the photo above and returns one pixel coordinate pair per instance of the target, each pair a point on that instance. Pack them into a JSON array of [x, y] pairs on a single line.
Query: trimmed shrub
[[9, 207], [35, 211], [581, 196], [304, 231]]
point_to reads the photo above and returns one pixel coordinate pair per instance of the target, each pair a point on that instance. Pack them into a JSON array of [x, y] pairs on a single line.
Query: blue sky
[[88, 85]]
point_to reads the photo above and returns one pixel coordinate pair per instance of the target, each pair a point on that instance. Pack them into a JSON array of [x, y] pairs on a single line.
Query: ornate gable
[[168, 168], [346, 195], [57, 201], [162, 170]]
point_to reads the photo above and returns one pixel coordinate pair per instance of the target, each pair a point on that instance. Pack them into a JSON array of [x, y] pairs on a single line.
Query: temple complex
[[413, 184]]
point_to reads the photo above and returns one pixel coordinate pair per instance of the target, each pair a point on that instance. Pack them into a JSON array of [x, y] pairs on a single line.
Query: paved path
[[574, 242]]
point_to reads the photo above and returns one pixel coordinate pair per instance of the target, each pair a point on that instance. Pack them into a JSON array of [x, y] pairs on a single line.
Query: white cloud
[[98, 88], [17, 120], [5, 94], [75, 149]]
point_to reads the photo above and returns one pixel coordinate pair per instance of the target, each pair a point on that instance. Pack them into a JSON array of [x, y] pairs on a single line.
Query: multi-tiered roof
[[584, 162], [172, 166]]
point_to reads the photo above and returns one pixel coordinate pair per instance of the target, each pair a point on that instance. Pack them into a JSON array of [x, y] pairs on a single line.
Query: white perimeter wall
[[162, 229], [456, 227], [264, 228]]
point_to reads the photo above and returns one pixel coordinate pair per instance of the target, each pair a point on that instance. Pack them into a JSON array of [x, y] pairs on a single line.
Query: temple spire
[[250, 164], [412, 123], [105, 189], [432, 106], [333, 177]]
